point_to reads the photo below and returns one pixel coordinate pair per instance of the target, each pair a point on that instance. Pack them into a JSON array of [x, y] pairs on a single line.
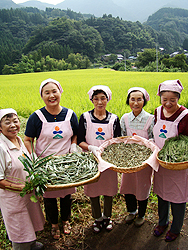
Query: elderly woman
[[22, 217], [55, 128], [171, 186], [136, 186], [95, 126]]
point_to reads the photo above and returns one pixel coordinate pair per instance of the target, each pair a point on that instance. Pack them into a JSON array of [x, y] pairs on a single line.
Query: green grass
[[21, 91]]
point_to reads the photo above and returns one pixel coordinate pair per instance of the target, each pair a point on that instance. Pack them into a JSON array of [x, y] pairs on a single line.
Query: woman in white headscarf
[[136, 186], [171, 187], [21, 216], [55, 128], [95, 126]]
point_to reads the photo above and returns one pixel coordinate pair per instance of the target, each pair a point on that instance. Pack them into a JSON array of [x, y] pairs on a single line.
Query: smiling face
[[100, 101], [136, 102], [10, 126], [169, 101], [51, 95]]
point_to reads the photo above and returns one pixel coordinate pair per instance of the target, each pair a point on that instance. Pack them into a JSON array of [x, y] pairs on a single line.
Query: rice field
[[21, 91]]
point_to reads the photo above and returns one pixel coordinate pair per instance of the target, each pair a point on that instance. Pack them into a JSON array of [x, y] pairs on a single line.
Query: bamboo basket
[[75, 184], [173, 165], [128, 169]]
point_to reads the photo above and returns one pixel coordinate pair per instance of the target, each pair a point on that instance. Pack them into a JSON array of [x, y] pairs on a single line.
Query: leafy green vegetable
[[175, 149], [35, 181]]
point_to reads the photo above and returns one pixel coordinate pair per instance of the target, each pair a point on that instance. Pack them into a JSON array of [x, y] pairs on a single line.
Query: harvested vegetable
[[126, 155], [70, 168], [57, 170], [175, 149], [35, 181]]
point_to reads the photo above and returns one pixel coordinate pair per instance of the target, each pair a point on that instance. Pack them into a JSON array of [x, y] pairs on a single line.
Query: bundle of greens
[[175, 149], [36, 180]]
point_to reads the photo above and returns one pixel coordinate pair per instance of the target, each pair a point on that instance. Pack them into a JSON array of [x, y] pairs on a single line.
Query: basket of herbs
[[174, 154], [58, 172], [127, 154]]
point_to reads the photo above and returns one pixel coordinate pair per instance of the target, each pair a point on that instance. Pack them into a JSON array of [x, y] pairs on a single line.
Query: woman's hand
[[73, 148], [93, 149]]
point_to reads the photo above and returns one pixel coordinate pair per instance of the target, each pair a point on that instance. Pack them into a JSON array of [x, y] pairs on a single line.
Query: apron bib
[[22, 217], [58, 135], [96, 133], [138, 183], [170, 185]]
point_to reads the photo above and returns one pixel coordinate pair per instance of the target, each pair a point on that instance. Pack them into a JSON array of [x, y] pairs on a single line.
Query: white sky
[[54, 2]]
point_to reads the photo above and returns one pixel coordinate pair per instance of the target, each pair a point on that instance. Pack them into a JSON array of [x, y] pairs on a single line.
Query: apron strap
[[148, 123], [69, 115], [183, 113], [126, 120], [41, 116]]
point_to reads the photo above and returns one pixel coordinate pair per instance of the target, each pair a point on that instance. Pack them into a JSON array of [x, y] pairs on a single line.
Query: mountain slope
[[97, 7], [137, 10], [7, 4], [37, 4]]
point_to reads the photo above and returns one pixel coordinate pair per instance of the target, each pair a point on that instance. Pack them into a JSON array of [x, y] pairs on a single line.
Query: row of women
[[56, 128]]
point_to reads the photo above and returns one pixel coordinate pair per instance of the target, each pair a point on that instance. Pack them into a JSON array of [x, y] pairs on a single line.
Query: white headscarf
[[144, 92], [43, 83], [4, 112], [104, 88], [170, 85]]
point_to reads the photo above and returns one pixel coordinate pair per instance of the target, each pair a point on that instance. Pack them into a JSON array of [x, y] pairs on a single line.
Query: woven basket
[[75, 184], [173, 165], [128, 169]]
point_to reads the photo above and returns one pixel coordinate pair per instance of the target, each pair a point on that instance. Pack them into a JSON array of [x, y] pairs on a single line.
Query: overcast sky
[[44, 1]]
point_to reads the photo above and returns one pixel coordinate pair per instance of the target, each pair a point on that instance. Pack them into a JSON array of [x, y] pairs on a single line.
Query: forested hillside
[[58, 33], [171, 25]]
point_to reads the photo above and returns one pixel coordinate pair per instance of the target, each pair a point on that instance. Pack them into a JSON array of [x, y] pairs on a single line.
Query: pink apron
[[170, 185], [22, 217], [58, 135], [138, 183], [96, 133]]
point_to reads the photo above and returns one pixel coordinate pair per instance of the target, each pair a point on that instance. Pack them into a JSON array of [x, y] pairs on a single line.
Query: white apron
[[138, 183], [22, 217], [170, 185], [96, 133], [58, 135]]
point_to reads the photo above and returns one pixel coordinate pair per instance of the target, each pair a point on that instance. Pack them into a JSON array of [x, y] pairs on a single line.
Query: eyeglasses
[[102, 99]]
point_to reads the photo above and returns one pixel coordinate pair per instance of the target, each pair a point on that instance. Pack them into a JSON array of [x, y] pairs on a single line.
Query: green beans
[[175, 149], [70, 168]]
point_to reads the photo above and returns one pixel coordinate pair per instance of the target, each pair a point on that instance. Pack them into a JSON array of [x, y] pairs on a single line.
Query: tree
[[145, 57]]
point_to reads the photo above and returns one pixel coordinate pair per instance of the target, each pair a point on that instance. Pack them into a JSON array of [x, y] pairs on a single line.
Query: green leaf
[[33, 198]]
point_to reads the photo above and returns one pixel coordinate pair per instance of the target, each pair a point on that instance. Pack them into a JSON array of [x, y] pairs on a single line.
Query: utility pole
[[125, 59], [156, 57]]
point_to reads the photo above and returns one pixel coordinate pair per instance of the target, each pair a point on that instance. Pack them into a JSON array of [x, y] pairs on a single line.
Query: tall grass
[[21, 92]]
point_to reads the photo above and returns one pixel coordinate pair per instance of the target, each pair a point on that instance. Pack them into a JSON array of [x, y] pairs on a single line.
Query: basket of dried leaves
[[128, 154]]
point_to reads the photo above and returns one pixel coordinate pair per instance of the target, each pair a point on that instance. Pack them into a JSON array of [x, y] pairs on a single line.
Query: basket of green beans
[[174, 154], [71, 170]]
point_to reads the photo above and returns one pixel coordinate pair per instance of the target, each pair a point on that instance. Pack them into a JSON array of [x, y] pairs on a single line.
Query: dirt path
[[122, 237]]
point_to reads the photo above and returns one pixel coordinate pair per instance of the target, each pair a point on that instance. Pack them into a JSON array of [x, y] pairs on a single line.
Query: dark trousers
[[178, 213], [96, 207], [131, 203], [51, 209]]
